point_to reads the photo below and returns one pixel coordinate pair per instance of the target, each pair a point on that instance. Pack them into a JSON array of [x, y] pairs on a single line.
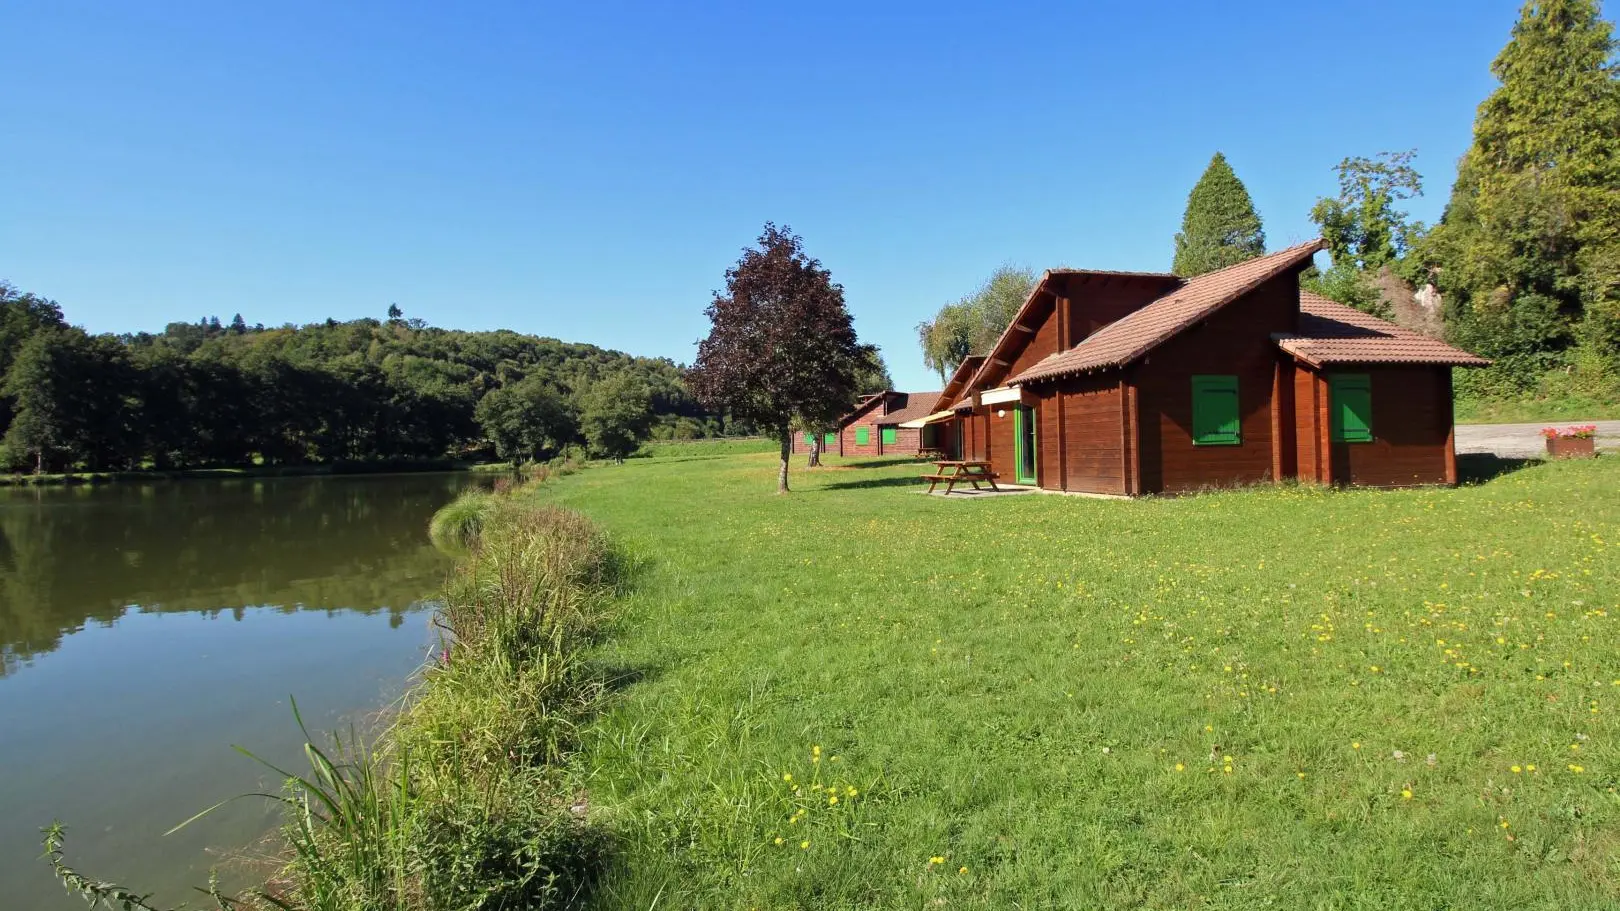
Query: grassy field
[[1281, 698]]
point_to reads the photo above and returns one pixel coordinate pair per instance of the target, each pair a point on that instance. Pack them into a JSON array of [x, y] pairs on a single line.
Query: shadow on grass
[[888, 462], [1480, 467], [875, 482]]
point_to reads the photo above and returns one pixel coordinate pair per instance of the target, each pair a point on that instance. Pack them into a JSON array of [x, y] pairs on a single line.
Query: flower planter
[[1571, 447]]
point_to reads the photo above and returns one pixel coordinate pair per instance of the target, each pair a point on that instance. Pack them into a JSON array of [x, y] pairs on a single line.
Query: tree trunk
[[786, 436], [815, 452]]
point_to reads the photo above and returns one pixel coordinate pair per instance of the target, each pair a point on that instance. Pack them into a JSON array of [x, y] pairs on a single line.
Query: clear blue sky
[[589, 170]]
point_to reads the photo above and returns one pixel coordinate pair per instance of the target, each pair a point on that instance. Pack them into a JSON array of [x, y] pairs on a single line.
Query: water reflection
[[78, 555], [121, 691]]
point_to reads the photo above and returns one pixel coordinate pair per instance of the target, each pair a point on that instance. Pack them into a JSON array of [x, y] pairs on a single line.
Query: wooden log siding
[[1309, 412], [1234, 341], [1093, 453], [1411, 426]]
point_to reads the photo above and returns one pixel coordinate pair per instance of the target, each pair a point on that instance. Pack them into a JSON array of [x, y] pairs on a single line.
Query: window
[[830, 439], [1215, 417], [1350, 398], [809, 438], [889, 435], [863, 435]]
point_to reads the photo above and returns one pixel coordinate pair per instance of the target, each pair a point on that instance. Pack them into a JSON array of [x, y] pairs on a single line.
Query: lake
[[145, 629]]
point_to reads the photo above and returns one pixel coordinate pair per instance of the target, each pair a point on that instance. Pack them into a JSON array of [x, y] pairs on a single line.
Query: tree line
[[211, 394], [1523, 266]]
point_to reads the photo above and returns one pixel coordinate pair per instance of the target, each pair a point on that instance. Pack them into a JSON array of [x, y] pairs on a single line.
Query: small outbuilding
[[1129, 383], [874, 427]]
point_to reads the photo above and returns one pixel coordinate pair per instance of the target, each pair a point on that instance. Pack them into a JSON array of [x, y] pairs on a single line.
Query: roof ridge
[[1118, 334]]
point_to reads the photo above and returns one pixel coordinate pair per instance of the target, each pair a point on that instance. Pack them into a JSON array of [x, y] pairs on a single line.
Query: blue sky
[[588, 171]]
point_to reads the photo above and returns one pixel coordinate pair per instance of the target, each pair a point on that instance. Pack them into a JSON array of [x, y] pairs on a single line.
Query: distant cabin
[[1130, 383], [873, 428]]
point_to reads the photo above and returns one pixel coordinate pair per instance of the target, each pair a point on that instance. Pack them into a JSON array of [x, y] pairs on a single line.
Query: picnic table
[[960, 471]]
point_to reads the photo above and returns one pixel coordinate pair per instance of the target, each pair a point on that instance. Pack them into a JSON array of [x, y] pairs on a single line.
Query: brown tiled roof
[[1134, 335], [1332, 333], [915, 405]]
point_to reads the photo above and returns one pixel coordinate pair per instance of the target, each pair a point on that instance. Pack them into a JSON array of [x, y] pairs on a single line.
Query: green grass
[[717, 447], [1532, 409], [1283, 698]]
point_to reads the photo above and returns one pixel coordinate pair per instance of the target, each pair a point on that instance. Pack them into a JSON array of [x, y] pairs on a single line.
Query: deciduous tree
[[972, 324], [615, 414], [781, 347]]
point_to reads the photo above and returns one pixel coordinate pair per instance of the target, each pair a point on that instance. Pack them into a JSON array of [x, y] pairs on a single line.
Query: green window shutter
[[889, 436], [1215, 416], [809, 438], [863, 435], [1350, 398], [830, 439]]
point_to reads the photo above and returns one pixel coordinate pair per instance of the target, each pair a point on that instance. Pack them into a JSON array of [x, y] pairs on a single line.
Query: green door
[[1024, 444]]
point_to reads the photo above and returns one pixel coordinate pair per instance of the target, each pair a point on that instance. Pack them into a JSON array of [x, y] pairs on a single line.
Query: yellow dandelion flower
[[1406, 793], [832, 800], [1577, 769], [1180, 767], [804, 845], [787, 776], [1517, 770], [778, 839], [1530, 767], [936, 860], [1355, 744], [852, 792], [1300, 774], [963, 870]]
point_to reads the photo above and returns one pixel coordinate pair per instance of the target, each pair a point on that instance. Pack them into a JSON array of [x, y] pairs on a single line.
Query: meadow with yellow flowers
[[856, 696]]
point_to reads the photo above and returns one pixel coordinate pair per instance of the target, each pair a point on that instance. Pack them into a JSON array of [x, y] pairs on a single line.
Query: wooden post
[[1062, 439]]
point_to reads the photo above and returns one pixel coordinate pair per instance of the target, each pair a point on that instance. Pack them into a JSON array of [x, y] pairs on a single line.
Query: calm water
[[145, 628]]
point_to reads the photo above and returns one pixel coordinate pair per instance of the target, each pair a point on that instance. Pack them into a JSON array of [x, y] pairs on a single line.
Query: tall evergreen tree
[[1220, 227], [1529, 247]]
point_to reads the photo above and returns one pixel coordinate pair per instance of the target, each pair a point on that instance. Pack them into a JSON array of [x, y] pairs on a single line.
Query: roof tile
[[1332, 333], [1134, 335]]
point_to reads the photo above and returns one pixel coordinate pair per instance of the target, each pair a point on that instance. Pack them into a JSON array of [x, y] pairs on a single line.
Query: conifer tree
[[1220, 227]]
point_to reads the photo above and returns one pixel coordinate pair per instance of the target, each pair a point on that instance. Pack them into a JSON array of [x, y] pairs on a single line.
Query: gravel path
[[1524, 440]]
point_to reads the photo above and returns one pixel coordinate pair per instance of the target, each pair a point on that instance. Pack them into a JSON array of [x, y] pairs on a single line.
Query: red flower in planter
[[1550, 433], [1578, 432]]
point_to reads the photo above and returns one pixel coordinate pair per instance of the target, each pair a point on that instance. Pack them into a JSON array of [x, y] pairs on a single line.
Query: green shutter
[[809, 438], [863, 435], [1215, 416], [889, 435], [830, 439], [1350, 401]]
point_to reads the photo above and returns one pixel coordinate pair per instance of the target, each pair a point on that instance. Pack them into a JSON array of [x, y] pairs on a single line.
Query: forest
[[209, 394]]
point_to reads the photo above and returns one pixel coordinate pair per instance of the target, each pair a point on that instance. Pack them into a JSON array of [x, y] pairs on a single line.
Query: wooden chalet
[[1129, 383], [873, 428]]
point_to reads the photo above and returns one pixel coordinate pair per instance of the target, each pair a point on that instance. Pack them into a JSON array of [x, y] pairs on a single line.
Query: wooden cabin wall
[[846, 436], [999, 421], [1093, 302], [1048, 440], [1042, 344], [1310, 423], [1411, 428], [1235, 341], [1093, 433]]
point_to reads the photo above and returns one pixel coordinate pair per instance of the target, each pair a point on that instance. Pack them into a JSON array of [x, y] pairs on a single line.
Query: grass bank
[[860, 697], [462, 802]]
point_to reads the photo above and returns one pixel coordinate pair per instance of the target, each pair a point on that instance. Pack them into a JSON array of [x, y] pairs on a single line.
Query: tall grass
[[461, 803], [454, 528]]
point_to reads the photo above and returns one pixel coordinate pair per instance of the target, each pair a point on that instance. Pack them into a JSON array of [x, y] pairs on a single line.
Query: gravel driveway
[[1518, 441]]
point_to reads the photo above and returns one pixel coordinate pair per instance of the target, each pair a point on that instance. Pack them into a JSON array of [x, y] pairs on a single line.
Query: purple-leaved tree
[[781, 348]]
